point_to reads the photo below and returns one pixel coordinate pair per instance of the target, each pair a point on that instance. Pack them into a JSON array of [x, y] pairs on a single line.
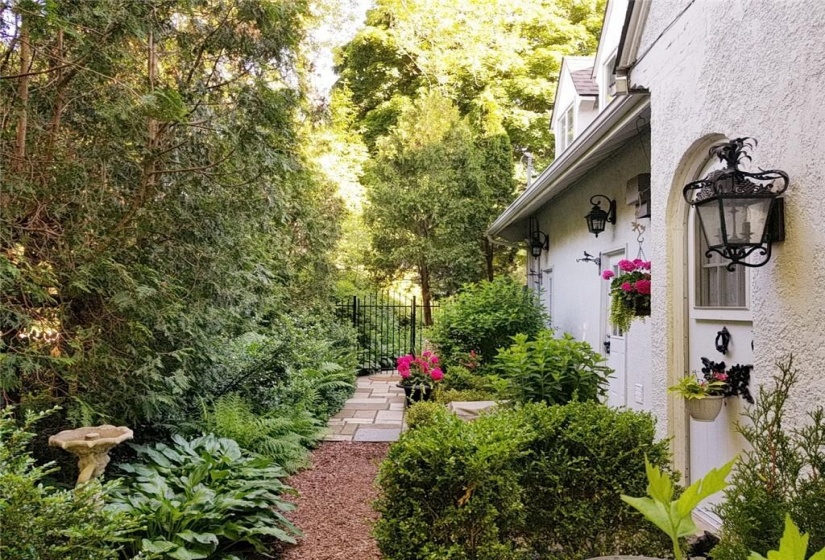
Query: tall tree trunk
[[426, 294], [23, 92], [60, 96], [488, 257]]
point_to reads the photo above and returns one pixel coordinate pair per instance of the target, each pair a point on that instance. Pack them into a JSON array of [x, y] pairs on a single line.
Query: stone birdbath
[[91, 444]]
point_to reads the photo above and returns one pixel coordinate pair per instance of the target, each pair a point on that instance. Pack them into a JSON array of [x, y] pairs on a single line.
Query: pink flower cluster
[[634, 277], [419, 369]]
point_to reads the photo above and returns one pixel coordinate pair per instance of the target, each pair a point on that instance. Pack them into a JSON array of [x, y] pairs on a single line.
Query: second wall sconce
[[597, 218]]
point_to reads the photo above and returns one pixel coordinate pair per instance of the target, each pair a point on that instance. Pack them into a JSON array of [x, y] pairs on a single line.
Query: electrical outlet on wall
[[639, 393]]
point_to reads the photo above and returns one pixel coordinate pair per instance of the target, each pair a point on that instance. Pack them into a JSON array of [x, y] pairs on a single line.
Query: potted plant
[[704, 396], [419, 374], [629, 292]]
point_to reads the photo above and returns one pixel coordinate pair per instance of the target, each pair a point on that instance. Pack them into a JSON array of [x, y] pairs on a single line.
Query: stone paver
[[375, 413]]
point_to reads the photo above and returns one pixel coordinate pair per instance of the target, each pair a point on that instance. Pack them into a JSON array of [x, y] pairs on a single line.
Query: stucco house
[[671, 79]]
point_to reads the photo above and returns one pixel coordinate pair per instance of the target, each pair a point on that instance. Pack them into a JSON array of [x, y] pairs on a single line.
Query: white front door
[[718, 299], [614, 338]]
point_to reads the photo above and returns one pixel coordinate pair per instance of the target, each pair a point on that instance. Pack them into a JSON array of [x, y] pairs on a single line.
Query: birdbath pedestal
[[91, 444]]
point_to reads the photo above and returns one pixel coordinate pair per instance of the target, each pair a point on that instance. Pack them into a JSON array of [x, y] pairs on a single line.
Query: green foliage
[[583, 457], [792, 546], [38, 522], [779, 474], [484, 317], [203, 498], [531, 481], [450, 490], [690, 388], [429, 200], [497, 60], [148, 220], [445, 396], [424, 413], [283, 437], [675, 517], [553, 370]]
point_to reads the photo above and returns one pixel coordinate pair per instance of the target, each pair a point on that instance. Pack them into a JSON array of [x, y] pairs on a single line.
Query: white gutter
[[621, 112]]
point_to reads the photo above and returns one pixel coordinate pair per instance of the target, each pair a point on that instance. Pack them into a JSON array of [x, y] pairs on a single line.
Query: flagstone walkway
[[374, 413]]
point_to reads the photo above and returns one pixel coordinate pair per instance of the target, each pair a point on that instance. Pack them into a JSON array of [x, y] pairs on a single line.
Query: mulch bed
[[334, 507]]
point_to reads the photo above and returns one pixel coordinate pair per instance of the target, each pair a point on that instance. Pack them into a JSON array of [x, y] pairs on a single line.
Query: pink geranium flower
[[437, 374], [627, 287], [643, 287], [608, 274], [626, 266]]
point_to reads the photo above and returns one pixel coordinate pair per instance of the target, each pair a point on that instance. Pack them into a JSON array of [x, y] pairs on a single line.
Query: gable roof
[[584, 82], [606, 135]]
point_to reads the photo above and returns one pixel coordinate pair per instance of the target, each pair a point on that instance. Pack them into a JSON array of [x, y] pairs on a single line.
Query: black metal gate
[[387, 327]]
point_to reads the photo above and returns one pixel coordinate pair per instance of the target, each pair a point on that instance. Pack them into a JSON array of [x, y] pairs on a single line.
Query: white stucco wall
[[577, 286], [743, 68]]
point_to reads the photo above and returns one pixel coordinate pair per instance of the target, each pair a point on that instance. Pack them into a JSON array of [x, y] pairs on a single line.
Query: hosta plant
[[204, 498]]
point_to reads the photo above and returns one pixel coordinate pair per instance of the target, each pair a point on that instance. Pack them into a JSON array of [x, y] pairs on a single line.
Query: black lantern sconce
[[598, 218], [740, 212], [538, 242]]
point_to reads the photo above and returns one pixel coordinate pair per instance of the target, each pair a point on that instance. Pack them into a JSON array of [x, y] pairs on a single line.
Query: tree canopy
[[498, 60], [156, 197]]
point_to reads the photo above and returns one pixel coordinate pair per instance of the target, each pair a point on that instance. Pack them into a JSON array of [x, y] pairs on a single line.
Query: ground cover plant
[[780, 473], [519, 482], [483, 317], [41, 522], [203, 498]]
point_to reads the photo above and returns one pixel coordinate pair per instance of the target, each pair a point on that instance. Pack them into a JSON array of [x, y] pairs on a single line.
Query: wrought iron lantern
[[538, 242], [740, 212], [598, 218]]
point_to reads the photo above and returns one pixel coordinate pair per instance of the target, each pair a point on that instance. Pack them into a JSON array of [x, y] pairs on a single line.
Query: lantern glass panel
[[596, 221], [745, 220], [711, 220]]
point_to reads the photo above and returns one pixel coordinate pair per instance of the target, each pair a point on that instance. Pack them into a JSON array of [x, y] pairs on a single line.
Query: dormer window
[[565, 136]]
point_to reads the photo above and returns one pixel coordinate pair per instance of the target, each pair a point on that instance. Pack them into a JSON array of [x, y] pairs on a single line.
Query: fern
[[283, 435]]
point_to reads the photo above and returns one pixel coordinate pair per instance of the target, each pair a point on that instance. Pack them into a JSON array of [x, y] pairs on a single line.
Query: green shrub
[[424, 413], [483, 317], [583, 457], [553, 370], [526, 482], [446, 396], [203, 498], [449, 490], [779, 474], [283, 436], [38, 522]]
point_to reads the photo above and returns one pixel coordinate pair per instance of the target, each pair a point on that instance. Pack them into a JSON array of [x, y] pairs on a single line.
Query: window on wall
[[565, 135], [716, 286]]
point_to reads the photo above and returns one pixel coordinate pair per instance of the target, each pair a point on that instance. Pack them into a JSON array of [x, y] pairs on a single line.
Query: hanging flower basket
[[629, 292], [706, 409]]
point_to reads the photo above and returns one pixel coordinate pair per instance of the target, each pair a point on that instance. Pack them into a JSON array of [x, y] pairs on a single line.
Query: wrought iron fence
[[387, 327]]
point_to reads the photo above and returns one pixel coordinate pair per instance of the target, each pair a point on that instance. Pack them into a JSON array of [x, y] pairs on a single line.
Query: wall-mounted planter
[[705, 409]]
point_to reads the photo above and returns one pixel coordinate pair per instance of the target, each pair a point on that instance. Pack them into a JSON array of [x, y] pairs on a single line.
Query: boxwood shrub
[[527, 482]]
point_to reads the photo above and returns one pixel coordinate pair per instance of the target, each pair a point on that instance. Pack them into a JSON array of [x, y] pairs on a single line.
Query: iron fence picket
[[387, 327]]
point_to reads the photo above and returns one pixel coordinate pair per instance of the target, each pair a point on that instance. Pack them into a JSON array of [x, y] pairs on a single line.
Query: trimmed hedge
[[520, 483]]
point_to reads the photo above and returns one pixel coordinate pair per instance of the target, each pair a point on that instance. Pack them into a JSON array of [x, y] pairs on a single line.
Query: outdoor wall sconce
[[597, 218], [539, 242], [740, 212]]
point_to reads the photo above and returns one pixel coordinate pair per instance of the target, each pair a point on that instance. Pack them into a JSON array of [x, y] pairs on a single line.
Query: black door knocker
[[722, 341]]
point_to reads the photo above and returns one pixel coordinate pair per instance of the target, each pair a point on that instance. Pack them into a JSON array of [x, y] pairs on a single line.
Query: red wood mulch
[[334, 507]]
